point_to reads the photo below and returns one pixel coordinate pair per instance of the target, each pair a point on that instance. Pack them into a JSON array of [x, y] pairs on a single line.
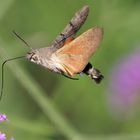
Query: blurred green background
[[45, 106]]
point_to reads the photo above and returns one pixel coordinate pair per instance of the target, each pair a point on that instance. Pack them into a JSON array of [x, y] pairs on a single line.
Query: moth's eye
[[32, 56], [35, 58]]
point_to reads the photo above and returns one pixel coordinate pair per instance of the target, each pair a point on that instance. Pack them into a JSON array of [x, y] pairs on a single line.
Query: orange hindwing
[[75, 55]]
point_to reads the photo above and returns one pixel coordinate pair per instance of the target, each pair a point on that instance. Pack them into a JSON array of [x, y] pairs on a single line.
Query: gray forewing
[[70, 30]]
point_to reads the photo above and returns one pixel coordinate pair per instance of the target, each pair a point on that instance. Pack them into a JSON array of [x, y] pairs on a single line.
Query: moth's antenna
[[19, 37], [2, 73]]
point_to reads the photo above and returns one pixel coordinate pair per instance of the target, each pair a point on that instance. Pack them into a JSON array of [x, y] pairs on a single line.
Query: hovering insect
[[68, 55]]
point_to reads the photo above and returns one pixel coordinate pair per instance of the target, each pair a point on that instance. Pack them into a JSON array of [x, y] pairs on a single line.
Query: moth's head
[[33, 56]]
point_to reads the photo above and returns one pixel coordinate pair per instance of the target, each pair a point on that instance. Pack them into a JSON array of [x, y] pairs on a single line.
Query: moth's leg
[[59, 71], [94, 73], [69, 77]]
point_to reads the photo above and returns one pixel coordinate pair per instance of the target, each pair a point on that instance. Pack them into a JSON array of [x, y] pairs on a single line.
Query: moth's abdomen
[[94, 73]]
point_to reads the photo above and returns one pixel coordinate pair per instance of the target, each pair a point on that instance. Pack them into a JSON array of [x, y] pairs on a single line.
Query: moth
[[68, 55]]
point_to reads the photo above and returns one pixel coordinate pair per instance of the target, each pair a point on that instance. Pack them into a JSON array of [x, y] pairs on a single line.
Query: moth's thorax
[[46, 58]]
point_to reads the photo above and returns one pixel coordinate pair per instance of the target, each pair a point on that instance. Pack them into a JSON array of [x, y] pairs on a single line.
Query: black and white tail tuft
[[94, 73]]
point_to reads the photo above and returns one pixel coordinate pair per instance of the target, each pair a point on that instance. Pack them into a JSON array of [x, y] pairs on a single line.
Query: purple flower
[[2, 136], [3, 117], [125, 84]]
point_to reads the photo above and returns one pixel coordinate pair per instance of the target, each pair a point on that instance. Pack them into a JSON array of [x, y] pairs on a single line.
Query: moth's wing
[[70, 30], [75, 55]]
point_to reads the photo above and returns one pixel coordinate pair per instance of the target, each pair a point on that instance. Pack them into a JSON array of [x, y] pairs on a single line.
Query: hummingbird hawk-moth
[[68, 55]]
